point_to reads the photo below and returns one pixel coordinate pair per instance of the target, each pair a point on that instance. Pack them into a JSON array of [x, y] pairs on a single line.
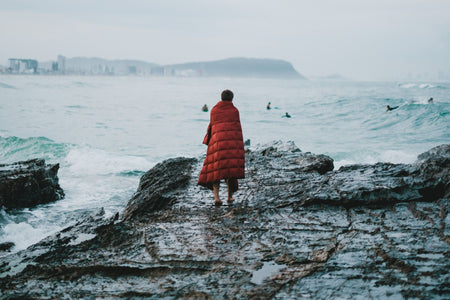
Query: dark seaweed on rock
[[299, 229]]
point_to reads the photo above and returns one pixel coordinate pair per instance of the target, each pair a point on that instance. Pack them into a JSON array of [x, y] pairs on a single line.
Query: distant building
[[157, 71], [132, 70], [62, 64], [23, 66], [169, 71]]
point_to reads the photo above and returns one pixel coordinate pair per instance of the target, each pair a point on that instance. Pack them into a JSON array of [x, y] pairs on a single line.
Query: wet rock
[[382, 183], [7, 246], [159, 187], [433, 166], [29, 183], [363, 231]]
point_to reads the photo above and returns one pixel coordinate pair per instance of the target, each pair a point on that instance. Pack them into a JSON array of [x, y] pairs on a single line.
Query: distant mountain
[[117, 67], [239, 67], [97, 60], [230, 67]]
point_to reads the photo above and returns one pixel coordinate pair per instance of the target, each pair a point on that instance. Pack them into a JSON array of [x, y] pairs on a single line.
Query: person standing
[[225, 156]]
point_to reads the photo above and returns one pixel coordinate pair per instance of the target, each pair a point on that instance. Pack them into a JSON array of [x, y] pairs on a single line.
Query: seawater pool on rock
[[267, 270]]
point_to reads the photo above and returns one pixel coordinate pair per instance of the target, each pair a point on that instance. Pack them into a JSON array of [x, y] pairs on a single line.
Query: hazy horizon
[[362, 40]]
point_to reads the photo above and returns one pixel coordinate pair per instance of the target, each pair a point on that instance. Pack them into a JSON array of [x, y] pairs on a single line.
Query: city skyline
[[232, 67], [370, 40], [131, 67]]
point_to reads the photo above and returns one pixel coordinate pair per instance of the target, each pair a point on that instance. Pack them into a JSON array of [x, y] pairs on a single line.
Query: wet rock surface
[[29, 183], [297, 230], [160, 187], [7, 246]]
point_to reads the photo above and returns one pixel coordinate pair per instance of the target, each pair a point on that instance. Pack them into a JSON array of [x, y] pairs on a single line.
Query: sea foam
[[85, 160]]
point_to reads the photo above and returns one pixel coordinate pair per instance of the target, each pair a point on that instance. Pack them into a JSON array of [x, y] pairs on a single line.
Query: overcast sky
[[360, 39]]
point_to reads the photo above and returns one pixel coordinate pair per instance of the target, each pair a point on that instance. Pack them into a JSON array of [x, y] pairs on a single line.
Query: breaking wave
[[14, 149], [420, 86]]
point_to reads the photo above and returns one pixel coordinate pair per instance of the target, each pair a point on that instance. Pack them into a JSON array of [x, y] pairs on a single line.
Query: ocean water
[[105, 132]]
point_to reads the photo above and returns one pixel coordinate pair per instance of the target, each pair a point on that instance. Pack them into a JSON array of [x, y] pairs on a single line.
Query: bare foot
[[217, 201], [230, 200]]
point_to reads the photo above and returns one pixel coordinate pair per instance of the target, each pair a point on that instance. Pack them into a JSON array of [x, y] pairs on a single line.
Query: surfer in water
[[388, 108], [268, 106], [287, 115]]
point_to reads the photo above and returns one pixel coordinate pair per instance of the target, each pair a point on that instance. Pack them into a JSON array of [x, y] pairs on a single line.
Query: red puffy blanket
[[225, 157]]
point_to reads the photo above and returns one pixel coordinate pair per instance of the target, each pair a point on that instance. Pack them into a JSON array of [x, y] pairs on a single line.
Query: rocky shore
[[29, 183], [298, 230]]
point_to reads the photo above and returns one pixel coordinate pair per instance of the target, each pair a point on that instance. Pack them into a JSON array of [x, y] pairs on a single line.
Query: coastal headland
[[299, 229], [230, 67]]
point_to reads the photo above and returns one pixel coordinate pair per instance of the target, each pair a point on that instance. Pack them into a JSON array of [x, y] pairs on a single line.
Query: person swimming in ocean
[[430, 100], [205, 108], [388, 108], [287, 115], [268, 106]]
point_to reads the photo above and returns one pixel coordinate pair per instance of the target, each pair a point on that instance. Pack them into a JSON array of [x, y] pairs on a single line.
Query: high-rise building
[[62, 64], [18, 65]]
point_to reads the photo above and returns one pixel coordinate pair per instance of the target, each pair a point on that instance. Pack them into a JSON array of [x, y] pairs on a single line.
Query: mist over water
[[106, 131]]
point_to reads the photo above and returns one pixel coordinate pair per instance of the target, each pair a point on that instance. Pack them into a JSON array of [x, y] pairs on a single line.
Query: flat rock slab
[[297, 230]]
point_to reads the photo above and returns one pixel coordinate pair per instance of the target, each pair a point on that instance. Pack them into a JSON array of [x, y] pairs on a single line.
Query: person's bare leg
[[230, 193], [216, 186]]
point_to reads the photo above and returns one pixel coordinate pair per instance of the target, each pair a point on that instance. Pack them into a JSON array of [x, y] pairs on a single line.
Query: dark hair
[[227, 95]]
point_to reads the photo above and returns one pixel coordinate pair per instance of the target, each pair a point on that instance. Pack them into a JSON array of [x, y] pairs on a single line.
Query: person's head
[[227, 95]]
